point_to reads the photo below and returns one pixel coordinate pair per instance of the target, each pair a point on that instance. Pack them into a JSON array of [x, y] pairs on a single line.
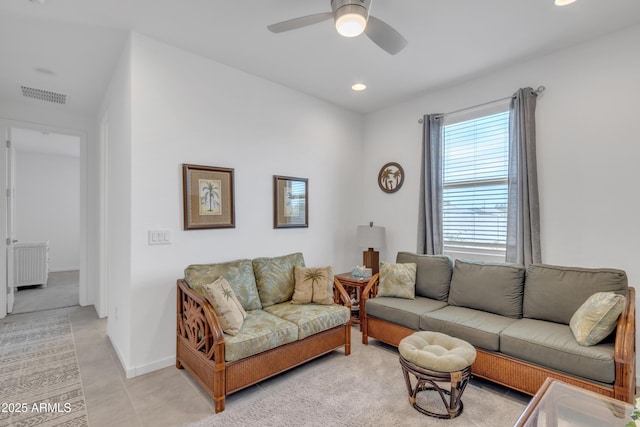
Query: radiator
[[31, 264]]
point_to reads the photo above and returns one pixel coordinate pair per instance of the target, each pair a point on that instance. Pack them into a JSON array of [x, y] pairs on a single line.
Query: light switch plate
[[159, 237]]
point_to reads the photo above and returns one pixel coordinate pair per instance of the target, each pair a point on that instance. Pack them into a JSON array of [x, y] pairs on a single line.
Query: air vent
[[44, 95]]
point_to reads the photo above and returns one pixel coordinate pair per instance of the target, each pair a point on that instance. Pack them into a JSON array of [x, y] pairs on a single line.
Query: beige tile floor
[[167, 397]]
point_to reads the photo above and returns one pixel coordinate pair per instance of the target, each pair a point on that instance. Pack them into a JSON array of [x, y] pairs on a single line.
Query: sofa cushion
[[433, 274], [554, 293], [313, 284], [311, 318], [397, 280], [238, 273], [261, 331], [274, 277], [477, 327], [228, 309], [404, 312], [552, 345], [492, 287], [597, 317]]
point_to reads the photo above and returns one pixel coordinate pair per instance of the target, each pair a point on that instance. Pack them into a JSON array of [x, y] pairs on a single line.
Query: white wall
[[587, 136], [116, 109], [48, 205], [588, 151], [188, 109], [42, 117]]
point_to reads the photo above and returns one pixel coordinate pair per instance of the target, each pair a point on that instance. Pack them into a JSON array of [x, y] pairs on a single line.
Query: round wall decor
[[391, 177]]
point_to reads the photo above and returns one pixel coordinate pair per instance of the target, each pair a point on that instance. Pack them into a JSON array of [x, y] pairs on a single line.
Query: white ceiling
[[449, 41]]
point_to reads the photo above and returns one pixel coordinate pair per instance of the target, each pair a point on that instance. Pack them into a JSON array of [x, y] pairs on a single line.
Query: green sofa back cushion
[[274, 277], [554, 293], [238, 273], [433, 274], [493, 287]]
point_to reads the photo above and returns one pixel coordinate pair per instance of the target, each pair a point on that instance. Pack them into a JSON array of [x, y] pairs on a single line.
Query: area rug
[[40, 383], [364, 389]]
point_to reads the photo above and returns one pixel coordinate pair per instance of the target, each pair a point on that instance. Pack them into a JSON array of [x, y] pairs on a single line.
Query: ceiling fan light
[[351, 20]]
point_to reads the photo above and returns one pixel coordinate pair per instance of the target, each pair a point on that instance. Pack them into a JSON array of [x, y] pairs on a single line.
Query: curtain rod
[[538, 91]]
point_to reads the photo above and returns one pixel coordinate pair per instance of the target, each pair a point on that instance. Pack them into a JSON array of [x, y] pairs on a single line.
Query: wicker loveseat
[[276, 335], [518, 320]]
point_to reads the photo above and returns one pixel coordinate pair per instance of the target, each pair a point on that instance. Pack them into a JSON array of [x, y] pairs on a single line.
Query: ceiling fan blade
[[384, 35], [294, 24]]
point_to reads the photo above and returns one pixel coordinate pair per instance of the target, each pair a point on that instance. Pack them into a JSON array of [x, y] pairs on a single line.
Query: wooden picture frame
[[391, 177], [208, 197], [290, 202]]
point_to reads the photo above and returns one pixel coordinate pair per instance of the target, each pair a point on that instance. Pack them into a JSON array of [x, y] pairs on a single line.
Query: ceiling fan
[[352, 19]]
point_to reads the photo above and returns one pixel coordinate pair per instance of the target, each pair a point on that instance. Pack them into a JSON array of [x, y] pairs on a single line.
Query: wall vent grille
[[44, 95]]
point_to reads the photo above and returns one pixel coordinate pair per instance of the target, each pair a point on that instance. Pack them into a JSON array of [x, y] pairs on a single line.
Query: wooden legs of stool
[[426, 380]]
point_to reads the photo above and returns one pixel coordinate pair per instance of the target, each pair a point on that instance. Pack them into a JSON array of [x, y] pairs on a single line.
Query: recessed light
[[37, 1], [564, 2], [359, 87]]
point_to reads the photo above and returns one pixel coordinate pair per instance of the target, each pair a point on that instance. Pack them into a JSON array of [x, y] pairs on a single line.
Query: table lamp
[[370, 236]]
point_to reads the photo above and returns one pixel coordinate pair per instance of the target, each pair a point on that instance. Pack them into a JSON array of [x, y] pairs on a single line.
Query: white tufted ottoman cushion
[[437, 351]]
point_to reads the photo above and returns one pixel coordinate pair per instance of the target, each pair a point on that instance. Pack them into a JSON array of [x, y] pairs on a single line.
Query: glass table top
[[558, 404]]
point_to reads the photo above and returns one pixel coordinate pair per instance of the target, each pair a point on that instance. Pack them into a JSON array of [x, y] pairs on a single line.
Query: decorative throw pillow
[[597, 317], [397, 280], [230, 313], [313, 285], [274, 277]]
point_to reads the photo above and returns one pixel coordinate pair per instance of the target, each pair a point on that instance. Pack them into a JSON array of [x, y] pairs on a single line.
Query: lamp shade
[[370, 236]]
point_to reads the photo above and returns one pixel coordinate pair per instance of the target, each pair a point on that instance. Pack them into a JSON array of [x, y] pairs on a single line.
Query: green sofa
[[275, 336], [517, 318]]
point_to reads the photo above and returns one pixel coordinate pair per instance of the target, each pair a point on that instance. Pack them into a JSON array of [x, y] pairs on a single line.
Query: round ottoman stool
[[434, 357]]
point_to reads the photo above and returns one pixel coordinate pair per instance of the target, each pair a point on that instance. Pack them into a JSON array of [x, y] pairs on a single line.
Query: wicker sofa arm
[[341, 294], [625, 351], [372, 284], [198, 324]]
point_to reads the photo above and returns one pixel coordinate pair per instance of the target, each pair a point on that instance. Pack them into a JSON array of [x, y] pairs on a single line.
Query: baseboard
[[128, 372], [61, 269], [150, 367]]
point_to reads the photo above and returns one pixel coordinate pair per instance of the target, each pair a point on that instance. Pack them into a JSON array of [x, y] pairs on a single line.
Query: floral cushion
[[238, 273], [228, 309], [313, 284], [311, 318], [597, 317], [397, 280], [274, 277], [260, 332]]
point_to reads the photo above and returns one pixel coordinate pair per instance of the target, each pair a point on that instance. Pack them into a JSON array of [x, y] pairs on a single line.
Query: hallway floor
[[62, 290]]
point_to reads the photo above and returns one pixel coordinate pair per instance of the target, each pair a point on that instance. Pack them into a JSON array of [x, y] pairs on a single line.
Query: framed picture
[[208, 197], [391, 177], [290, 202]]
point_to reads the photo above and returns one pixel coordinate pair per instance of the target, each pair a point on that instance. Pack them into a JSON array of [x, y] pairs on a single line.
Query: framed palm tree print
[[290, 202], [208, 197]]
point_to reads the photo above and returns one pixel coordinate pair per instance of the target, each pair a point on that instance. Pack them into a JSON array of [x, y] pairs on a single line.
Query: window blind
[[475, 170]]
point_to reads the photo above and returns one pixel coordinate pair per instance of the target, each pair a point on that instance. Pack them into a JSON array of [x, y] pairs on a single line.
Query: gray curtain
[[430, 211], [523, 220]]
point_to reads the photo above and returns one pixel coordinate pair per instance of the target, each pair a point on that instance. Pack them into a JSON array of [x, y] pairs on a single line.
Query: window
[[475, 156]]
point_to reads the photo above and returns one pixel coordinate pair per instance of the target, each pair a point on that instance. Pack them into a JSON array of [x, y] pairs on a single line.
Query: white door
[[11, 237]]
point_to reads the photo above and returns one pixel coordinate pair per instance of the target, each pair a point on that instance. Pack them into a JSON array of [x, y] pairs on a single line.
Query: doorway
[[46, 219]]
